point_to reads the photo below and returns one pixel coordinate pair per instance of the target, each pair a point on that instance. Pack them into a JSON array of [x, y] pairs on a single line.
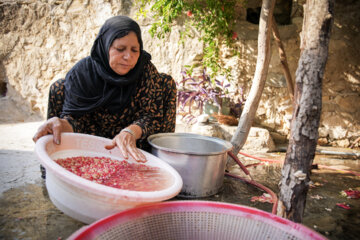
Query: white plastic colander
[[194, 220]]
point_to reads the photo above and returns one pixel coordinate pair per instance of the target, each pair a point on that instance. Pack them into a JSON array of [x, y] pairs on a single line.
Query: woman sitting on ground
[[116, 93]]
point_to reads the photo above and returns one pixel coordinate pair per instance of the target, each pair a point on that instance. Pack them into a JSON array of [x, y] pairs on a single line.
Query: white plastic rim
[[88, 144]]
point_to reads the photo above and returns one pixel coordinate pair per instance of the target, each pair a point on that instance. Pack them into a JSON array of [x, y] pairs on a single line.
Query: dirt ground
[[26, 211], [18, 163]]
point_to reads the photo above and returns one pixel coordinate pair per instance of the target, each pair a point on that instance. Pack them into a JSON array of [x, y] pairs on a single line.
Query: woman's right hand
[[53, 126]]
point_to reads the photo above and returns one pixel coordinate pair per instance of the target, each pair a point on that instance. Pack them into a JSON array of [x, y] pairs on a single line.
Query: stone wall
[[40, 40]]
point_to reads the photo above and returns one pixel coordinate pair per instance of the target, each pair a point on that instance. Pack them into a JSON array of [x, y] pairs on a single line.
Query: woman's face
[[124, 53]]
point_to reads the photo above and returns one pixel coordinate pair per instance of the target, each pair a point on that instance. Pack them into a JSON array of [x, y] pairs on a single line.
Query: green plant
[[200, 90], [214, 20]]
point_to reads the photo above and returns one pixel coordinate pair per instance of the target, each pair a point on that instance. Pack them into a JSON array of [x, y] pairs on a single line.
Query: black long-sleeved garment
[[152, 107]]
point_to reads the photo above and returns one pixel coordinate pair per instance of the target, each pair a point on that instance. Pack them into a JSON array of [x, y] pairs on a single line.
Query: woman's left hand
[[126, 142]]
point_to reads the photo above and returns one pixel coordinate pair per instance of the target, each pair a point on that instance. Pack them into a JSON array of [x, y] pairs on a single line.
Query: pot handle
[[239, 163]]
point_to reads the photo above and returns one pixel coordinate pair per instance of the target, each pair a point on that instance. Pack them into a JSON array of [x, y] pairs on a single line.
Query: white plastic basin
[[88, 201]]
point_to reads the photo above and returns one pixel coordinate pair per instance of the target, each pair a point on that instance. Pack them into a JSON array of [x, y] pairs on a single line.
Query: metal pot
[[199, 160]]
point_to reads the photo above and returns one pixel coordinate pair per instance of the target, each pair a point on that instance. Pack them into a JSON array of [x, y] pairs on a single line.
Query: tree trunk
[[283, 60], [315, 37], [246, 119]]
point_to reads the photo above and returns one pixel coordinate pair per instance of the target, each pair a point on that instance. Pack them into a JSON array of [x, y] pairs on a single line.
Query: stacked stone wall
[[40, 40]]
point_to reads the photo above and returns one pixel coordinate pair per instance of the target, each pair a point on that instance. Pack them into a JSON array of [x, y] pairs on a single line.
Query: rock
[[346, 103], [41, 40], [14, 112], [278, 138], [203, 118], [259, 139], [322, 141], [345, 143]]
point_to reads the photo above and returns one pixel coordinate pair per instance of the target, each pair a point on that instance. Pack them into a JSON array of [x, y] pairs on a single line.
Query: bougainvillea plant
[[213, 19]]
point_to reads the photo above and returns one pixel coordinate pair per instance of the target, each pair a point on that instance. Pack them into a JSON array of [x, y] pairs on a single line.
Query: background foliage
[[213, 19]]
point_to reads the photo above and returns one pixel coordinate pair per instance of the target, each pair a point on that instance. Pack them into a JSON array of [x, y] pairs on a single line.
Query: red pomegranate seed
[[118, 174]]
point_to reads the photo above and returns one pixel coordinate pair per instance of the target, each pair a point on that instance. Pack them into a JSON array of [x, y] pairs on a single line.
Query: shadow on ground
[[26, 211]]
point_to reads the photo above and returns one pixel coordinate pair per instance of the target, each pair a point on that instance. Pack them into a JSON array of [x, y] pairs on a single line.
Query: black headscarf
[[91, 83]]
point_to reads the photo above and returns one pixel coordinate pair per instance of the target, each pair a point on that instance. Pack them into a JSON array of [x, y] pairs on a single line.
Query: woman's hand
[[126, 142], [53, 126]]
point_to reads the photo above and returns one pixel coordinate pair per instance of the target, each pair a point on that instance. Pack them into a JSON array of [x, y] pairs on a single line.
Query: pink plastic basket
[[194, 220]]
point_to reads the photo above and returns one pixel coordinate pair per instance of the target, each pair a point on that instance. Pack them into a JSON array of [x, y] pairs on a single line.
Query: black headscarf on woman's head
[[91, 83]]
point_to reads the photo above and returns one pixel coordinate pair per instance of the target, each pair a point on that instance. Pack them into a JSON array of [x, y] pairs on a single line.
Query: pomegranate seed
[[118, 174]]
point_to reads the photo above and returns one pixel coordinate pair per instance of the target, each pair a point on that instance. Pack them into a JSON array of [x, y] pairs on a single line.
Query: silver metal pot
[[199, 160]]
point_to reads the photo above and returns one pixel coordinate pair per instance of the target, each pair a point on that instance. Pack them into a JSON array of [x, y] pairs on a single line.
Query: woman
[[116, 93]]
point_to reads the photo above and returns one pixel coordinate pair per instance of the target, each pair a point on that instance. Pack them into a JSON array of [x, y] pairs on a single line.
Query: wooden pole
[[262, 65]]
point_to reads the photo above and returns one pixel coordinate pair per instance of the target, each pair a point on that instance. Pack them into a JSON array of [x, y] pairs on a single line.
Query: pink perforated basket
[[194, 220]]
